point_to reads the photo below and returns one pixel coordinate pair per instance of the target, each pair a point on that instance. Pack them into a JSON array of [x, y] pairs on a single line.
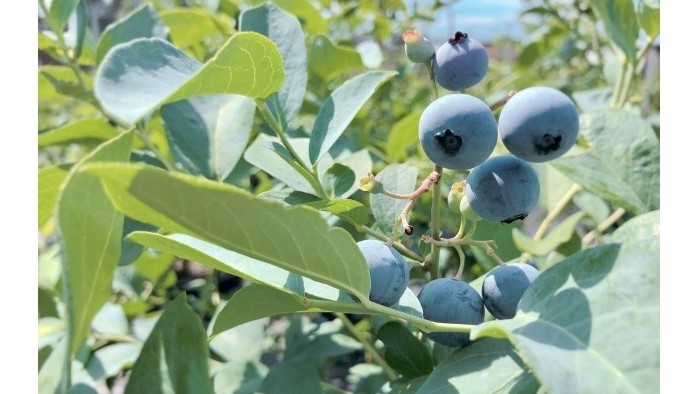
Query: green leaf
[[111, 319], [305, 378], [313, 343], [329, 61], [111, 360], [243, 343], [83, 131], [349, 210], [190, 26], [175, 356], [271, 156], [553, 185], [131, 251], [591, 322], [611, 13], [359, 162], [557, 236], [643, 229], [622, 165], [338, 179], [396, 178], [143, 22], [486, 366], [82, 16], [50, 181], [248, 64], [593, 99], [239, 377], [404, 352], [56, 82], [402, 137], [60, 11], [293, 238], [285, 31], [90, 229], [208, 134], [254, 302], [340, 109], [649, 18], [137, 77]]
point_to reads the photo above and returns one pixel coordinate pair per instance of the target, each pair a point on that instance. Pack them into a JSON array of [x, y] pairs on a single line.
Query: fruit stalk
[[609, 221]]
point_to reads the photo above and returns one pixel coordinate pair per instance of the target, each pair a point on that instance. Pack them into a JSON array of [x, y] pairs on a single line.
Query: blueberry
[[457, 131], [503, 189], [448, 300], [460, 63], [504, 286], [539, 124], [388, 271]]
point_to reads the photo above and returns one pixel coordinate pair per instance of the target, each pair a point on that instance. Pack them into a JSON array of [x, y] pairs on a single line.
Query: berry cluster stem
[[435, 225], [456, 242]]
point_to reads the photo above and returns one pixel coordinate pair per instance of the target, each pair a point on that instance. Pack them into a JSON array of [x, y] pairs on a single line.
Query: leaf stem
[[604, 225], [375, 356], [141, 133], [435, 226], [278, 128], [498, 104]]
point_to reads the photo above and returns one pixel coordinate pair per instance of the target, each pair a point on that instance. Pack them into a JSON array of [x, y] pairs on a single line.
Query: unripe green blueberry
[[388, 271], [467, 211], [457, 131], [455, 196], [539, 124], [504, 286], [503, 189], [460, 63], [418, 48], [449, 300]]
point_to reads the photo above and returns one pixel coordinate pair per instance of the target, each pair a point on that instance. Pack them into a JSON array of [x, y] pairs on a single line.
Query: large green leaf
[[328, 60], [396, 178], [143, 22], [649, 18], [136, 77], [208, 134], [620, 23], [175, 356], [58, 82], [402, 137], [340, 109], [643, 229], [293, 238], [79, 131], [591, 323], [233, 263], [557, 236], [487, 366], [623, 162], [285, 31], [90, 229], [111, 360], [50, 181], [403, 351], [268, 154], [311, 17]]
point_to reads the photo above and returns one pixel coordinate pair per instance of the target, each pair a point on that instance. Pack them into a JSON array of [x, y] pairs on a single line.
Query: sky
[[482, 19]]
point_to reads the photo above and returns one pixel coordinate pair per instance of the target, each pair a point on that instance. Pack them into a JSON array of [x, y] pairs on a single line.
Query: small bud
[[455, 195], [418, 48], [467, 211], [368, 183]]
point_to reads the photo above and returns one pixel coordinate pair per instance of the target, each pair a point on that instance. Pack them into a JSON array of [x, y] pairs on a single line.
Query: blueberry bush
[[241, 196]]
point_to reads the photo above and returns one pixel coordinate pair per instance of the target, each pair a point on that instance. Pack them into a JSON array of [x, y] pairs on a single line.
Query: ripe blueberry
[[388, 271], [457, 131], [504, 286], [460, 63], [503, 189], [539, 124], [448, 300]]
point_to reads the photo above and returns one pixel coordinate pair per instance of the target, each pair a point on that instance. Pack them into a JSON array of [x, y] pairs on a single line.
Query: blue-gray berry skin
[[504, 286], [539, 124], [388, 271], [460, 63], [448, 300], [457, 131], [503, 189]]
